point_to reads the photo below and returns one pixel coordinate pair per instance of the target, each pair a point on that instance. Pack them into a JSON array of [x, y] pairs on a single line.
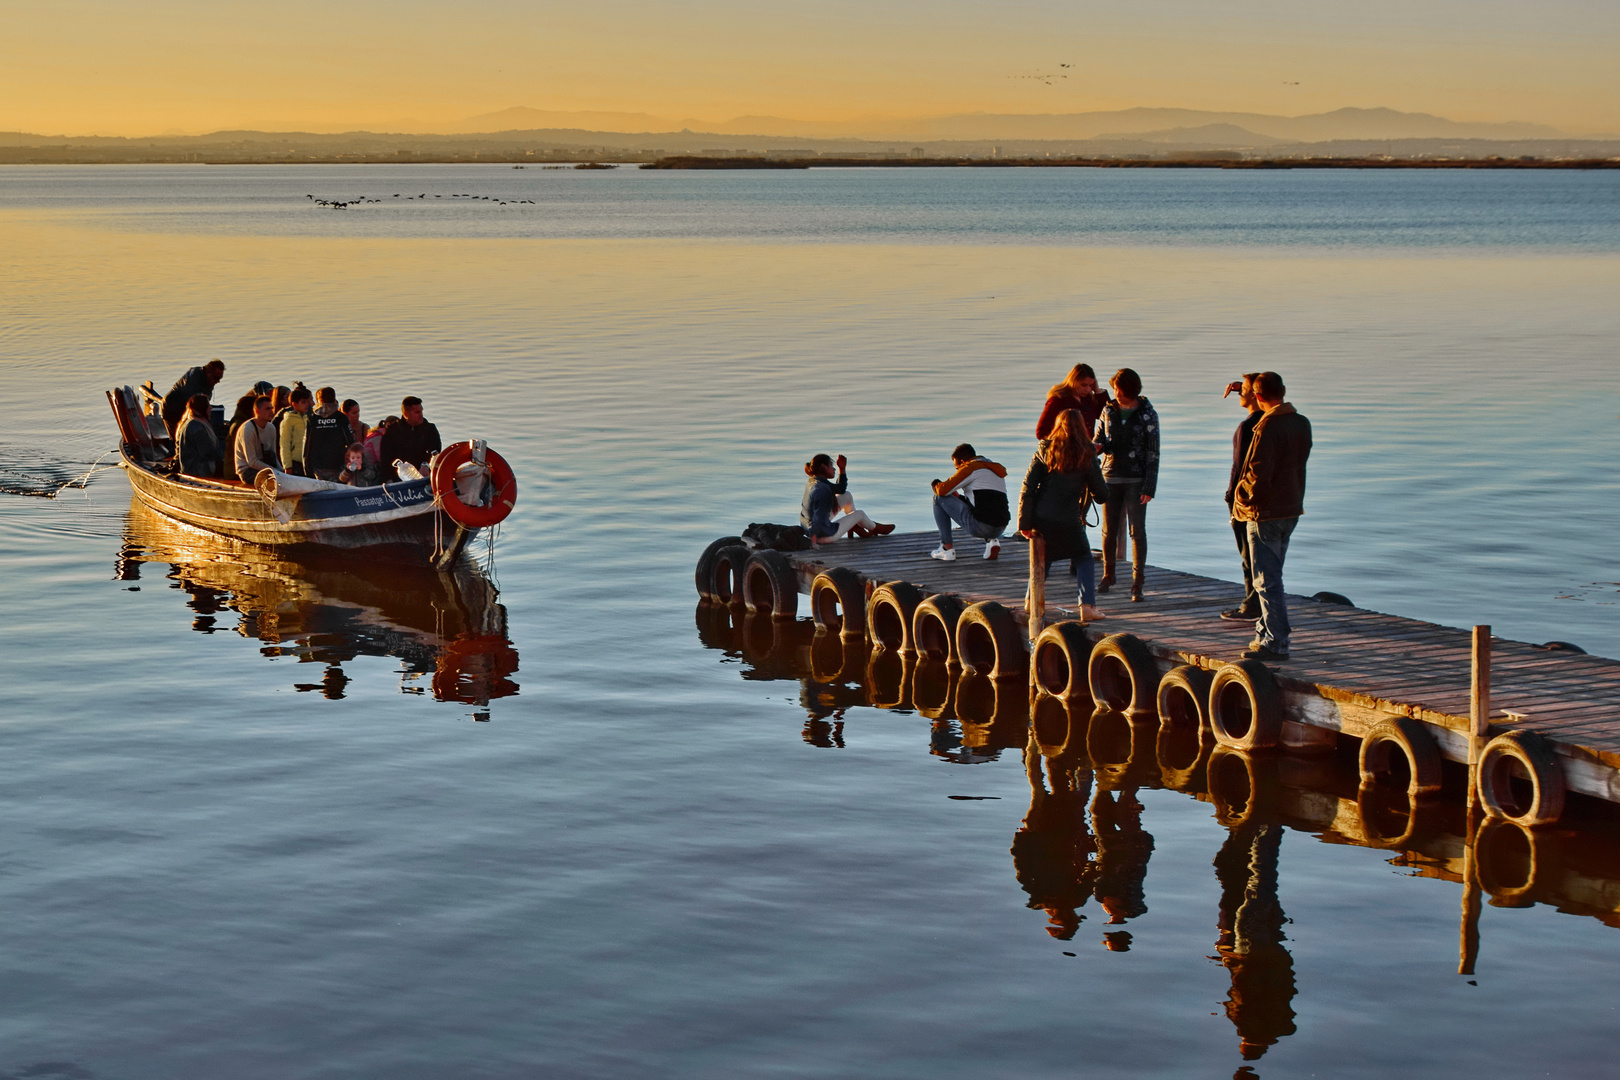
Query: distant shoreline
[[678, 162]]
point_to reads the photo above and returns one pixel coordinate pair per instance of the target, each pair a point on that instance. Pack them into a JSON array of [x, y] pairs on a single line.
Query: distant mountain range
[[1151, 125]]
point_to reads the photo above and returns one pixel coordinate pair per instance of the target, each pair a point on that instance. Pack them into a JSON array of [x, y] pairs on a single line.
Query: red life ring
[[444, 486]]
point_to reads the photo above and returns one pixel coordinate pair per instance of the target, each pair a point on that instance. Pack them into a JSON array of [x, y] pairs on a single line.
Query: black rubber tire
[[1403, 737], [1562, 646], [704, 575], [844, 588], [726, 584], [933, 689], [889, 611], [1123, 675], [1539, 763], [1325, 597], [1060, 661], [1183, 699], [933, 627], [1245, 707], [990, 642], [771, 584]]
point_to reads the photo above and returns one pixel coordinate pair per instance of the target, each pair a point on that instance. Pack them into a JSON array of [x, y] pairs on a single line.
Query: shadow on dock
[[1084, 838], [446, 628]]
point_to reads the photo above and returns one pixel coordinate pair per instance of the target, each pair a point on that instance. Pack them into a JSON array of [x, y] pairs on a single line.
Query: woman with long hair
[[1130, 444], [1078, 390], [1063, 476], [823, 498]]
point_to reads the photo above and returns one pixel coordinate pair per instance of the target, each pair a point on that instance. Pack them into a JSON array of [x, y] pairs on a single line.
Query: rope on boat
[[84, 481]]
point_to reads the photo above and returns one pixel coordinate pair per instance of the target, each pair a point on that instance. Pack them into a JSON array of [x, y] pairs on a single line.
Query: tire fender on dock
[[838, 602], [990, 642], [933, 628], [1123, 675], [1245, 706], [769, 583], [1385, 746], [889, 612], [1521, 755], [1183, 699], [1060, 661], [704, 575]]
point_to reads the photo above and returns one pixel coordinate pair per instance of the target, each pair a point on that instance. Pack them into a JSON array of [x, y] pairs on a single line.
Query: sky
[[74, 67]]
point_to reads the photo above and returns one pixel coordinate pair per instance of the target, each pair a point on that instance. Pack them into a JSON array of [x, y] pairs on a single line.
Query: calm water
[[256, 823]]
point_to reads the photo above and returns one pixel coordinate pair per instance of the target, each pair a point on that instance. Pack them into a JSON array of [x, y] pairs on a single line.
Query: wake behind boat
[[468, 487]]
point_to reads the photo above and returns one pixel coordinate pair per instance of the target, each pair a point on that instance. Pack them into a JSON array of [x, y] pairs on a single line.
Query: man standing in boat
[[197, 380], [412, 440], [1269, 499], [255, 442]]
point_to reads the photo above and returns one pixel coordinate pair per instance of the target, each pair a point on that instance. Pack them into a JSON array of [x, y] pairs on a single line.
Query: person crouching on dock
[[822, 497], [974, 497], [1062, 475]]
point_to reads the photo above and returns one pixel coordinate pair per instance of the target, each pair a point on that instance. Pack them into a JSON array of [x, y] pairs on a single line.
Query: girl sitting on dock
[[1052, 505], [822, 497]]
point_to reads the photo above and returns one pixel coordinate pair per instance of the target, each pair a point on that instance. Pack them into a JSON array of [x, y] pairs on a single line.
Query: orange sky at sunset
[[94, 67]]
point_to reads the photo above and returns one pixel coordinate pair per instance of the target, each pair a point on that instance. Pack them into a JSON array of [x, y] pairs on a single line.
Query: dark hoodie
[[325, 441]]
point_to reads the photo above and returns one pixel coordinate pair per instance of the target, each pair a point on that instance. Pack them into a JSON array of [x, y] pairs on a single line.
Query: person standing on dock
[[197, 380], [255, 447], [1270, 498], [1130, 444], [974, 497], [1077, 391], [1052, 503], [822, 497], [1249, 610]]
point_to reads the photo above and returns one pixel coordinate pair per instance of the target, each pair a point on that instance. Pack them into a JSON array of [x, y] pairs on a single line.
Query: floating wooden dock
[[1351, 671]]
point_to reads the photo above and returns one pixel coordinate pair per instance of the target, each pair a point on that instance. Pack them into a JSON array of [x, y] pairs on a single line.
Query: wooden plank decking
[[1347, 665]]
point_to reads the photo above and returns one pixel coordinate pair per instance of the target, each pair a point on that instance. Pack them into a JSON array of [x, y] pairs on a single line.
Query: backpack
[[776, 537]]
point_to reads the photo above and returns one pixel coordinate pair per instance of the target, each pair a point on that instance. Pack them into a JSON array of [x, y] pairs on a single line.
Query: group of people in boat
[[1102, 449], [291, 429]]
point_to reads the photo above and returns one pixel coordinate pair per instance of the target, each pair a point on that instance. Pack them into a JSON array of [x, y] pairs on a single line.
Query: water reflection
[[1086, 837], [447, 629]]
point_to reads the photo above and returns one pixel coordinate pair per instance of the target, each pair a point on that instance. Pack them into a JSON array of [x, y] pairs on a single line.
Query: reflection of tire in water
[[1393, 819], [1242, 786], [1058, 728], [717, 626], [932, 687], [1510, 861], [1182, 754], [888, 679], [1121, 747], [835, 659]]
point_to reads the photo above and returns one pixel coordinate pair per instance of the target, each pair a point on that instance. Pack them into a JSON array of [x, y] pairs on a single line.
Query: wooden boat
[[430, 518]]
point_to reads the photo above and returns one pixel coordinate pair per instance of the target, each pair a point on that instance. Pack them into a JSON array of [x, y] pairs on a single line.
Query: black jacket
[[1273, 482], [1131, 447], [326, 437], [1053, 503], [412, 444], [1240, 450]]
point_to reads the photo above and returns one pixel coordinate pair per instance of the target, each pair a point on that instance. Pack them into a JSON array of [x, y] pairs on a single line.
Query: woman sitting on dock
[[822, 497], [1061, 476]]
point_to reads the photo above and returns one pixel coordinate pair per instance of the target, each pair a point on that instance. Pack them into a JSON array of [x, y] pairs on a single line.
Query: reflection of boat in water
[[328, 608]]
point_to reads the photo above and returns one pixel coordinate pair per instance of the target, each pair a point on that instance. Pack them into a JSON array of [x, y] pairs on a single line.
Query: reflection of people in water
[[1123, 850], [1260, 1004], [1052, 852]]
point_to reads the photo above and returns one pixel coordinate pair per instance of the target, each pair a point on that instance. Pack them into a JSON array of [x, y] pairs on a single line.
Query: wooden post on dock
[[1479, 712], [1035, 600]]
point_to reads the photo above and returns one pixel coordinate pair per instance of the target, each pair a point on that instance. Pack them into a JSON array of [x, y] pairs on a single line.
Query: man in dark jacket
[[412, 440], [1249, 610], [1270, 498], [327, 437], [197, 380]]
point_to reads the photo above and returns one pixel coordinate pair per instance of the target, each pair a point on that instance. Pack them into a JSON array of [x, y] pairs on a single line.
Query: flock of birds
[[1045, 77], [344, 204]]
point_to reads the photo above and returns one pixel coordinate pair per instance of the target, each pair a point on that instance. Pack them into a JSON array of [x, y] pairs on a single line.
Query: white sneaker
[[992, 548], [943, 554]]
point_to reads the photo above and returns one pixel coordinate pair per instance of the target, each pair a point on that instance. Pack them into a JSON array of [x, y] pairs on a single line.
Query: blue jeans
[[949, 508], [1085, 571], [1251, 602], [1268, 546]]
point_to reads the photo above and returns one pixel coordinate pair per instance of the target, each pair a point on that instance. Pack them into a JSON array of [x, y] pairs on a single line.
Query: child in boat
[[356, 471]]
